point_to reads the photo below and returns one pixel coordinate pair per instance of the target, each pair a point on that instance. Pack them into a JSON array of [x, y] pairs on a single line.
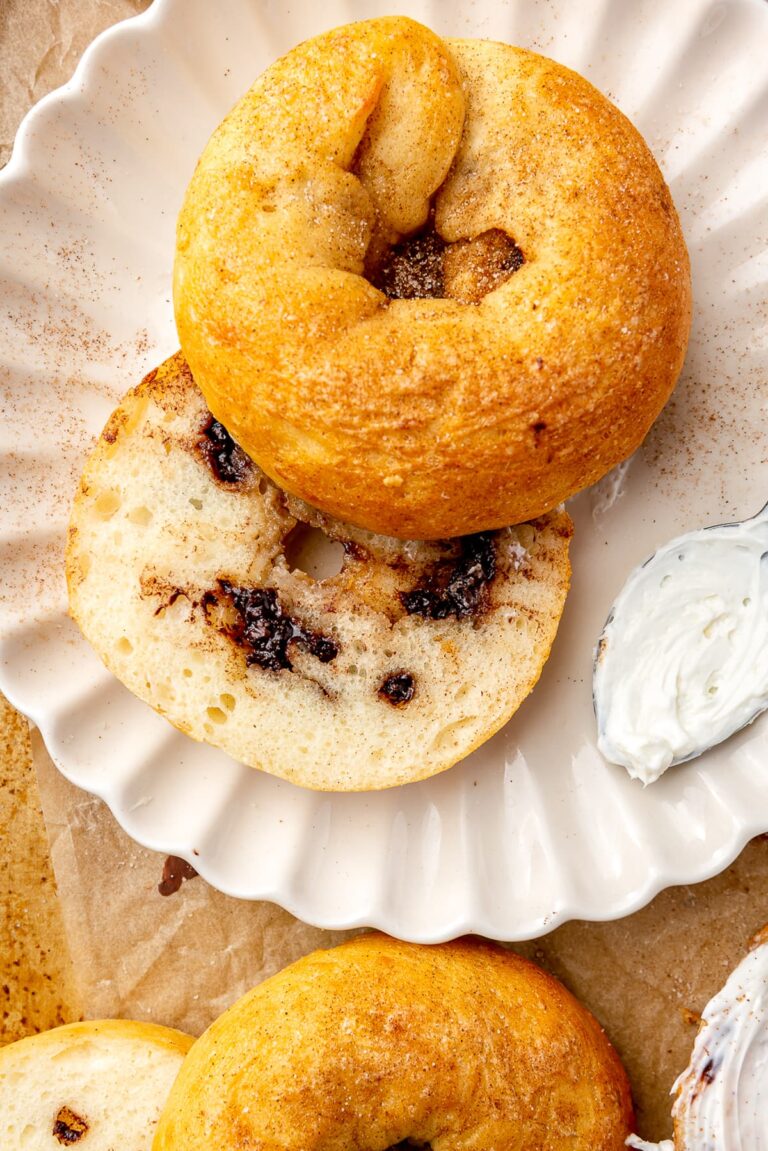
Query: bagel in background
[[392, 669], [542, 223], [100, 1084], [457, 1045]]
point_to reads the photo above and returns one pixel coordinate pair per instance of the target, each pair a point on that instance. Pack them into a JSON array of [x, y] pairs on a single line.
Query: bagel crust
[[456, 1046], [547, 322], [389, 670]]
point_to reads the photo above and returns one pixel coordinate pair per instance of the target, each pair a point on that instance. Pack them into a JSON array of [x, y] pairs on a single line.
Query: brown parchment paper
[[182, 959], [36, 979], [110, 944]]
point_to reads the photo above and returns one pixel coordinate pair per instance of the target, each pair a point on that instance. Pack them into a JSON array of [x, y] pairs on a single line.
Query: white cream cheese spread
[[683, 659], [721, 1099]]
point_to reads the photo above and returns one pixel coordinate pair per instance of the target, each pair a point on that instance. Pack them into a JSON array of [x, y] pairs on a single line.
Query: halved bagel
[[378, 162], [179, 573], [99, 1085], [460, 1047]]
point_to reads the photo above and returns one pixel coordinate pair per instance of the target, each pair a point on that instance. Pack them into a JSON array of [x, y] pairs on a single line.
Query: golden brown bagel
[[460, 1045], [428, 417]]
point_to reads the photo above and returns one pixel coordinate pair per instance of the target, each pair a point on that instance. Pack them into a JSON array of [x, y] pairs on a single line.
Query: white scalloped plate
[[534, 828]]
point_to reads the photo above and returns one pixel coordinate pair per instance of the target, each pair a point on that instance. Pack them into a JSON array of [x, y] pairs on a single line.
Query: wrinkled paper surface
[[181, 959]]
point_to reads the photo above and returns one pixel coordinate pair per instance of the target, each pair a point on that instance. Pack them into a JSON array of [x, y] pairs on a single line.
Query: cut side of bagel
[[390, 670], [462, 1046], [99, 1085]]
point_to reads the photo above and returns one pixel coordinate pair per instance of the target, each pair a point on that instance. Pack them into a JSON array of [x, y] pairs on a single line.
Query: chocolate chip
[[265, 631], [459, 591], [228, 462], [175, 871], [69, 1127], [398, 688]]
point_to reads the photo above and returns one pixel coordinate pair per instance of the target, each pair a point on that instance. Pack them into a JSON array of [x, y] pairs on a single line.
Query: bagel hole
[[425, 266], [412, 269], [473, 268], [308, 549]]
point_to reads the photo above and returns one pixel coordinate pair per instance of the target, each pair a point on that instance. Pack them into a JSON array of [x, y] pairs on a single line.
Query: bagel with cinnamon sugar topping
[[456, 1047], [431, 287]]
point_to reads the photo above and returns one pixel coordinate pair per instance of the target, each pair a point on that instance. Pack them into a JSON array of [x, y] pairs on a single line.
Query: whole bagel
[[455, 1046], [549, 280]]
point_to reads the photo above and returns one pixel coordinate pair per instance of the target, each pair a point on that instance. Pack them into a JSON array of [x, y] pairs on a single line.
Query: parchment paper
[[180, 959]]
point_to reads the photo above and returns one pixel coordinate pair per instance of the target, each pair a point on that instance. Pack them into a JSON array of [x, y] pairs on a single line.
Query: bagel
[[97, 1085], [388, 671], [720, 1097], [377, 1042], [431, 287]]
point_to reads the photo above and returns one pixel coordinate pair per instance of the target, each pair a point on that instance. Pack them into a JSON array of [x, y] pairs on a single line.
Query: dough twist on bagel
[[454, 1046], [521, 213]]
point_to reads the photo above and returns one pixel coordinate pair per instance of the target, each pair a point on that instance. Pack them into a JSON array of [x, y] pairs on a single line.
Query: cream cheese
[[683, 659], [722, 1097]]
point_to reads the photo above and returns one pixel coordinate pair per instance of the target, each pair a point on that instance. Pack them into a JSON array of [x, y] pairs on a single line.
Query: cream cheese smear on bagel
[[720, 1099], [682, 663]]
